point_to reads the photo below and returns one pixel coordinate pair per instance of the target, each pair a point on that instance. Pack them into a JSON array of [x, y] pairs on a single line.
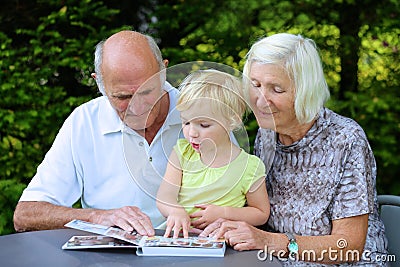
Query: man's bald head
[[126, 51]]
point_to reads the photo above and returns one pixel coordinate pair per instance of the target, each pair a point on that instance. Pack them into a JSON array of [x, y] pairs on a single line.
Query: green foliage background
[[46, 55]]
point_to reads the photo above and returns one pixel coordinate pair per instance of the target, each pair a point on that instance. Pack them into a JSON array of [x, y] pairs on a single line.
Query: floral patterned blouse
[[327, 175]]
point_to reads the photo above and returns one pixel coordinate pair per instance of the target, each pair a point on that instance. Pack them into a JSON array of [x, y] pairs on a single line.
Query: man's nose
[[138, 106]]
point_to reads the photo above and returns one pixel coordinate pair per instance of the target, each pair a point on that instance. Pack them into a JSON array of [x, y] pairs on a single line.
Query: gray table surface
[[43, 248]]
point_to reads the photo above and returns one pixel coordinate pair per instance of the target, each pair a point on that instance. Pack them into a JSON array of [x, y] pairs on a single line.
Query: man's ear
[[93, 75], [166, 62]]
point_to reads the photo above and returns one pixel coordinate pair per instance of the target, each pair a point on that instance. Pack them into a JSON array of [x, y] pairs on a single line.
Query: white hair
[[299, 57]]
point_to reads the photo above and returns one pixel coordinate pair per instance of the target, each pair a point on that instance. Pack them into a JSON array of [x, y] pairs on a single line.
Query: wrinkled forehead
[[128, 61], [130, 68]]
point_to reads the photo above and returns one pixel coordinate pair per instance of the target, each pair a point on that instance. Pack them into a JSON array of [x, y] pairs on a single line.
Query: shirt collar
[[108, 118], [174, 116], [321, 123]]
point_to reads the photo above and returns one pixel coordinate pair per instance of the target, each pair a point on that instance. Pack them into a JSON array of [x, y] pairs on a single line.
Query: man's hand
[[128, 218], [40, 215]]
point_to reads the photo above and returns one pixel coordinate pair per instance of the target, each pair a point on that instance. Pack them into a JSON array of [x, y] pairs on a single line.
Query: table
[[43, 248]]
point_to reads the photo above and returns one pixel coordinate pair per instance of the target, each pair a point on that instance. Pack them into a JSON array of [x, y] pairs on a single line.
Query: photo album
[[112, 237]]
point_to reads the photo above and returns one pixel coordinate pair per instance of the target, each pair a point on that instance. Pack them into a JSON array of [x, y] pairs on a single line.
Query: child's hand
[[208, 214], [177, 221]]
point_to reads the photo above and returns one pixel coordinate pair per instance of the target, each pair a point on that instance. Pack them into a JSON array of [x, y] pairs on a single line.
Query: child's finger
[[177, 230], [185, 231], [168, 230]]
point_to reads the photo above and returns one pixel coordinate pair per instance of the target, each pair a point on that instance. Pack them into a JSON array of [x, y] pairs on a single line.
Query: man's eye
[[123, 97], [145, 92]]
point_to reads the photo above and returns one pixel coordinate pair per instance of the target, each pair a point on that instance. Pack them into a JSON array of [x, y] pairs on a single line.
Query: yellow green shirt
[[223, 186]]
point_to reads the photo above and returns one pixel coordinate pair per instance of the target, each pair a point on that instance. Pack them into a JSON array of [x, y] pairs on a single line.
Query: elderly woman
[[321, 181]]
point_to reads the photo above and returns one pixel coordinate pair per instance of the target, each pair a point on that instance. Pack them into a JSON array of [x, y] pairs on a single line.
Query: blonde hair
[[299, 57], [223, 92]]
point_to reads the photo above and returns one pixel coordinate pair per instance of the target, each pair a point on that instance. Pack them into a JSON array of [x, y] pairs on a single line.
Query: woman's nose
[[263, 99]]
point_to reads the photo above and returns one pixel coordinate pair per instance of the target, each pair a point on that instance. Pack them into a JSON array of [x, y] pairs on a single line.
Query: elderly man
[[112, 151]]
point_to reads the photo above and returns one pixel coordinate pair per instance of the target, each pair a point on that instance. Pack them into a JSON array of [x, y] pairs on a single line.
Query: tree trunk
[[349, 26]]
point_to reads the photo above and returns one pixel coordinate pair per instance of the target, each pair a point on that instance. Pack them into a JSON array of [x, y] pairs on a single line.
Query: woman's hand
[[239, 235], [176, 221], [214, 229]]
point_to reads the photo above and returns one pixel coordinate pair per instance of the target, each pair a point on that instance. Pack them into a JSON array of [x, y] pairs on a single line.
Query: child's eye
[[205, 125]]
